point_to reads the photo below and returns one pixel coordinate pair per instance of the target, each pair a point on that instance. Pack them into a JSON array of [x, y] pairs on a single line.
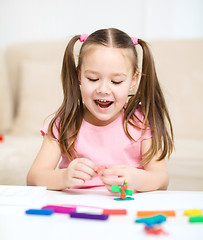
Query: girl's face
[[106, 76]]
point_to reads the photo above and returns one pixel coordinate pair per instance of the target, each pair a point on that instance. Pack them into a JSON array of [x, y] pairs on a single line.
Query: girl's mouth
[[103, 103]]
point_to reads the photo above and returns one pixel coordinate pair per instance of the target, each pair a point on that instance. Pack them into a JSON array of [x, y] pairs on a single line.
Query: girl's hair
[[148, 97]]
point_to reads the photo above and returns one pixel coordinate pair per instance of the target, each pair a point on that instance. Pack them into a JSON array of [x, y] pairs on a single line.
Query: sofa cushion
[[32, 51], [40, 95], [6, 107], [186, 165], [180, 71], [17, 154]]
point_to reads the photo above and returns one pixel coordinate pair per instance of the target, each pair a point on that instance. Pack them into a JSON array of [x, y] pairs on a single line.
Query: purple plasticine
[[89, 216]]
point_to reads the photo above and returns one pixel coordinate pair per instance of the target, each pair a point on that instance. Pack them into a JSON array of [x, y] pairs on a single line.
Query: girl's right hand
[[78, 171]]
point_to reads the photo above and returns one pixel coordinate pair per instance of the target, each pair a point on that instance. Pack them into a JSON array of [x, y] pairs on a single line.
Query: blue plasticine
[[150, 221], [46, 212], [126, 199]]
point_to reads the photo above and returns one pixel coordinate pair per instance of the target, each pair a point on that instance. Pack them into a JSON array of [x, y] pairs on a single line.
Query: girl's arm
[[43, 172], [154, 176]]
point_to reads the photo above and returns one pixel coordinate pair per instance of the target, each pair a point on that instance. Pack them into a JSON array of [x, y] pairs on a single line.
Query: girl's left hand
[[117, 174]]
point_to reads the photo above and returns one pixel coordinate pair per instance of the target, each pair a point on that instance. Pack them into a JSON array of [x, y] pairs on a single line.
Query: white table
[[15, 224]]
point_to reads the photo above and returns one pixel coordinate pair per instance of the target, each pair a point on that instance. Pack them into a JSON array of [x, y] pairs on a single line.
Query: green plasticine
[[115, 188], [129, 192], [196, 219]]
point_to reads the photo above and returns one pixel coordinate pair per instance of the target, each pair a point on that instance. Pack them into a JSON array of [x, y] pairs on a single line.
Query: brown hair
[[148, 97]]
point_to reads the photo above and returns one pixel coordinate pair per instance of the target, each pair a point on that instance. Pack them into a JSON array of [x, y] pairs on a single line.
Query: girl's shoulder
[[46, 129]]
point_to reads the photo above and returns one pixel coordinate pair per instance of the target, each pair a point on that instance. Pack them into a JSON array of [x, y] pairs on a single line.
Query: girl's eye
[[114, 82], [93, 79]]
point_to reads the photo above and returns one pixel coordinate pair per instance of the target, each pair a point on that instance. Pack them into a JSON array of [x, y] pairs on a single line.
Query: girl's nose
[[104, 88]]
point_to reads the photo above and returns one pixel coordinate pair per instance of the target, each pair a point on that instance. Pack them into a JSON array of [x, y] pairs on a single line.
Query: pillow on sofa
[[40, 95], [179, 68], [6, 107]]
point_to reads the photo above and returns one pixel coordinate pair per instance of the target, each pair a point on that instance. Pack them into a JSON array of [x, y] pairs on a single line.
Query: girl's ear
[[134, 81]]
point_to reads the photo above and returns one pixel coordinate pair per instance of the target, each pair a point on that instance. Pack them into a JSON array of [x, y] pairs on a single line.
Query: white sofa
[[30, 90]]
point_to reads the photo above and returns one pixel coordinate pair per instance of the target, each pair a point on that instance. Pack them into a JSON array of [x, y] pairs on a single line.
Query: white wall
[[174, 19], [28, 20]]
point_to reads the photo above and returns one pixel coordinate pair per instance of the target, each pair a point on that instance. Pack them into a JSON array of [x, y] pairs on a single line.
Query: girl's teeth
[[103, 103]]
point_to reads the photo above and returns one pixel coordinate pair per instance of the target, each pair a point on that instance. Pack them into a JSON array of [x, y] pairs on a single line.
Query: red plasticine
[[115, 211], [1, 137], [99, 169], [155, 231]]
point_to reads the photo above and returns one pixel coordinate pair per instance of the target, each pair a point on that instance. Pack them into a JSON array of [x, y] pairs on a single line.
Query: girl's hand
[[117, 174], [78, 171]]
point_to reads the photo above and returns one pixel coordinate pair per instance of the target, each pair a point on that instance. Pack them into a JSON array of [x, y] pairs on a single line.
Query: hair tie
[[134, 40], [83, 37]]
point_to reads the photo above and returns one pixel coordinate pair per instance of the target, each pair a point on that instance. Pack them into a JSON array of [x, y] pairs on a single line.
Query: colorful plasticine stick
[[158, 219], [170, 213], [193, 212], [44, 212], [196, 219], [89, 216], [115, 211], [59, 209]]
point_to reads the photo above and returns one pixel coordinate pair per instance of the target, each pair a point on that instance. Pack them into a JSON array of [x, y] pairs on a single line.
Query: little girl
[[99, 125]]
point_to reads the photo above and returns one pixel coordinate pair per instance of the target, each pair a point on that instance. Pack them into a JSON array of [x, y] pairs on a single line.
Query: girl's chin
[[100, 120]]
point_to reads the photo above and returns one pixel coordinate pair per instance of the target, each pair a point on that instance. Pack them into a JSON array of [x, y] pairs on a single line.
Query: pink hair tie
[[83, 37], [134, 40]]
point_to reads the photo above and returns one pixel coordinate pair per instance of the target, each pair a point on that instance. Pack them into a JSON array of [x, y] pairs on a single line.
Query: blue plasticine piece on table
[[150, 221], [45, 212], [125, 199], [89, 216]]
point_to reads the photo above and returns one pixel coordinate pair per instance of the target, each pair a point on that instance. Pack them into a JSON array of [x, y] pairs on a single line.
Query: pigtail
[[150, 99], [154, 107], [69, 117]]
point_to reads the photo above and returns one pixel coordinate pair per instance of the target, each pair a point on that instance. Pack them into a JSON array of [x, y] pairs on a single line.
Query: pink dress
[[107, 145]]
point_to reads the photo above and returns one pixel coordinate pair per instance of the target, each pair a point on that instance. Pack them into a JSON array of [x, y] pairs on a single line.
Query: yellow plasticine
[[193, 212]]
